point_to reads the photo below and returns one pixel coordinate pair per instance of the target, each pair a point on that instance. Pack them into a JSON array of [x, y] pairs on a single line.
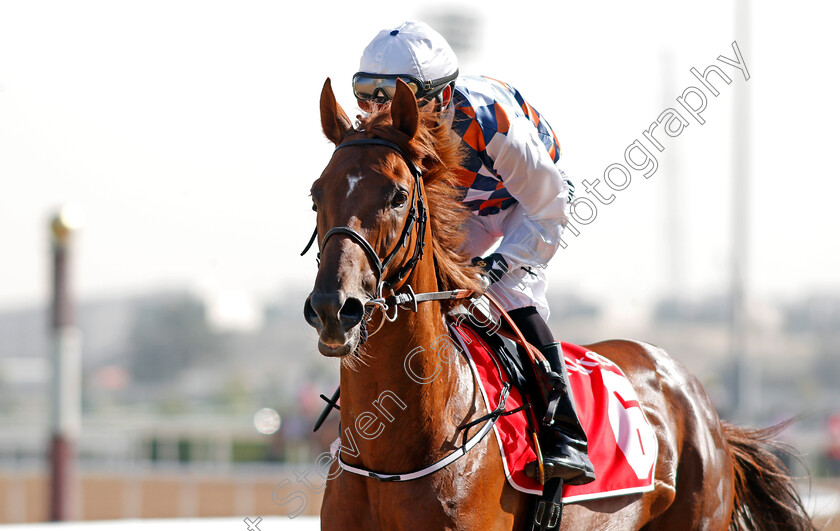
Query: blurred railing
[[158, 492]]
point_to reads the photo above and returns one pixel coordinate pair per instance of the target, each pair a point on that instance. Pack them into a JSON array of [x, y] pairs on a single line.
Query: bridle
[[418, 215]]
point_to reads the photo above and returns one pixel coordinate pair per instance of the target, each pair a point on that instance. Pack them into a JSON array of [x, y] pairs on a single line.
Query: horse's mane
[[437, 153]]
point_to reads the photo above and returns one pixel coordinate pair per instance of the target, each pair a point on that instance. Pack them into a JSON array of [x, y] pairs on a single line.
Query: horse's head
[[364, 198]]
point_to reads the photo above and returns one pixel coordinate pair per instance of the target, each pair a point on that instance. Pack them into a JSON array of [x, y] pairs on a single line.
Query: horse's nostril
[[310, 315], [352, 313]]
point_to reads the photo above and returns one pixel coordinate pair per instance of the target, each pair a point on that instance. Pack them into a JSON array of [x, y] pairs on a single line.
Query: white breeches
[[524, 250]]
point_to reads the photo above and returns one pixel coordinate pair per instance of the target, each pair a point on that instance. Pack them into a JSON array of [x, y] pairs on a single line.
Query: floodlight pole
[[65, 395], [746, 386]]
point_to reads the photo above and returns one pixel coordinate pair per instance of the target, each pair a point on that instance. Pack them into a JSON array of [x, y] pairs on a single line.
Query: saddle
[[509, 348], [622, 447], [622, 443]]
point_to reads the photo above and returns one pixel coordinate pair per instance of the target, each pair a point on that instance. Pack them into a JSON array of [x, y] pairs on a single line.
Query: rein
[[408, 301]]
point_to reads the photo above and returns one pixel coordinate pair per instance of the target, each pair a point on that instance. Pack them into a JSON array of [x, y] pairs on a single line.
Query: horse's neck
[[382, 364], [402, 401]]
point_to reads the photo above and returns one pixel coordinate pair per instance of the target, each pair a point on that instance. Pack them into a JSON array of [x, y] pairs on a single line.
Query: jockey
[[511, 182]]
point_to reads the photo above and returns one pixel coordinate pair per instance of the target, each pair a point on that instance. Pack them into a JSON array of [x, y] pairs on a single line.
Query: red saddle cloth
[[622, 443]]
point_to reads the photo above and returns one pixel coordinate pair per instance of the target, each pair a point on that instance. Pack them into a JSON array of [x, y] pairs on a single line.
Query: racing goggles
[[382, 87]]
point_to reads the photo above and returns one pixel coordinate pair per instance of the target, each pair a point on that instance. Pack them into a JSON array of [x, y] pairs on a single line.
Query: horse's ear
[[404, 113], [334, 120]]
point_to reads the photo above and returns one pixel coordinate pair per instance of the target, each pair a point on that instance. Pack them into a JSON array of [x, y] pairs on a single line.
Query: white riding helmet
[[413, 52]]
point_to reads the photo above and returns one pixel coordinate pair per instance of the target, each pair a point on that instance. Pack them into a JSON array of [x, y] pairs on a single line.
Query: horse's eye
[[399, 199], [314, 207]]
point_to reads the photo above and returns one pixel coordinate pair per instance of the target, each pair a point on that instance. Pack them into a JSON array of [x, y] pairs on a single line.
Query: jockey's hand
[[494, 266]]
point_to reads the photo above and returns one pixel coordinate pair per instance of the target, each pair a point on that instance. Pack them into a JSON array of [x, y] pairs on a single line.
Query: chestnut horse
[[404, 397]]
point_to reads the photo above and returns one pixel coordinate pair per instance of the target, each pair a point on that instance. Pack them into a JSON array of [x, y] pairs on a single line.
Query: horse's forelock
[[437, 153]]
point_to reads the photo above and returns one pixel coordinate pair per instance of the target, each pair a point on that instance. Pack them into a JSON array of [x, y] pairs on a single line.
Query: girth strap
[[460, 452], [489, 420], [548, 512], [434, 467]]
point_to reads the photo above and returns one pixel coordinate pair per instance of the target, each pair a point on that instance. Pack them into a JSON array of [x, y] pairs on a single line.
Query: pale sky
[[189, 134]]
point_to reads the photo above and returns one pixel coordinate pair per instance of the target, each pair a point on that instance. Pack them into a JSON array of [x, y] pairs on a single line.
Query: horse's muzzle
[[336, 318]]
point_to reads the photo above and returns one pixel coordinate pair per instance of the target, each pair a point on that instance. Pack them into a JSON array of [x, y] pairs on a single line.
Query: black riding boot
[[562, 439]]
